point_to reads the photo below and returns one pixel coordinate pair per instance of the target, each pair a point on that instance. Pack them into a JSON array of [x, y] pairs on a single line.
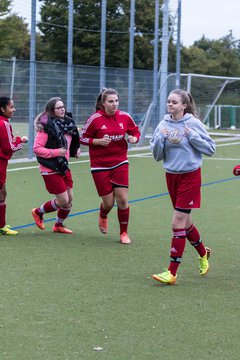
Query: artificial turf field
[[85, 296]]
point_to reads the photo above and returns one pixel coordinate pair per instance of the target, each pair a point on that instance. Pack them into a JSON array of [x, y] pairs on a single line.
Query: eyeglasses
[[59, 107]]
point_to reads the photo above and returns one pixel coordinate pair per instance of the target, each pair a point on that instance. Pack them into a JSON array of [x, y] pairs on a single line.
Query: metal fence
[[51, 80], [208, 92]]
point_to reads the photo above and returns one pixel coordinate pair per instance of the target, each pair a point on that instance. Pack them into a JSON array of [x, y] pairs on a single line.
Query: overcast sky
[[211, 18]]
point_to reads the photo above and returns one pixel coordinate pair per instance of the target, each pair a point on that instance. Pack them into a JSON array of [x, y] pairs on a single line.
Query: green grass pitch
[[85, 296]]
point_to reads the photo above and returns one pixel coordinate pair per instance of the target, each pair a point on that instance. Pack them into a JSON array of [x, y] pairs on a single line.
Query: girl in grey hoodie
[[179, 141]]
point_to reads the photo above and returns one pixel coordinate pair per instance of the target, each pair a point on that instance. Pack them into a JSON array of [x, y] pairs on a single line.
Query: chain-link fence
[[216, 97], [51, 80]]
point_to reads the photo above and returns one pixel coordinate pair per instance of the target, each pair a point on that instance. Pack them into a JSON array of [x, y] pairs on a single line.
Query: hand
[[164, 132], [78, 153], [63, 151], [17, 137], [105, 141], [236, 170], [187, 130], [132, 139], [24, 139]]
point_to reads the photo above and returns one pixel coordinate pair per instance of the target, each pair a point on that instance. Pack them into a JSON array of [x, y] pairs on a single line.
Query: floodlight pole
[[178, 48], [103, 45], [13, 75], [131, 57], [164, 61], [155, 62], [32, 81], [70, 57]]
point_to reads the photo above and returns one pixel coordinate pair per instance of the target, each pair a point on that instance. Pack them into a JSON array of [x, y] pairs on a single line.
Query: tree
[[214, 57], [5, 7], [14, 38], [87, 31], [14, 34], [194, 60]]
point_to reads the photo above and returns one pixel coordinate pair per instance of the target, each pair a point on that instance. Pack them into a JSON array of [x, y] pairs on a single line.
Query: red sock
[[194, 238], [38, 212], [48, 206], [177, 249], [103, 212], [62, 214], [2, 214], [123, 218]]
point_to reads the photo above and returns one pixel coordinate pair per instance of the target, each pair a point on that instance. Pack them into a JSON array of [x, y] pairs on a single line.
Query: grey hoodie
[[181, 151]]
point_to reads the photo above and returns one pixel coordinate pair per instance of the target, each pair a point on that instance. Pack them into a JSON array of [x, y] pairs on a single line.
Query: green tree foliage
[[14, 37], [14, 34], [213, 57], [5, 7], [205, 56], [87, 32]]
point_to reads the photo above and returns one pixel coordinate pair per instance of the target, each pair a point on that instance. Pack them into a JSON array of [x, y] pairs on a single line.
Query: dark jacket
[[55, 140]]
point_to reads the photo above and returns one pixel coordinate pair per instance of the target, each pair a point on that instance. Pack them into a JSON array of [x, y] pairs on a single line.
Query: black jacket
[[56, 140]]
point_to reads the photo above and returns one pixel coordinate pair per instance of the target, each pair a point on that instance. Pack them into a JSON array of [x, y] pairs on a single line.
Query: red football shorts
[[185, 189], [57, 183], [106, 180], [3, 172]]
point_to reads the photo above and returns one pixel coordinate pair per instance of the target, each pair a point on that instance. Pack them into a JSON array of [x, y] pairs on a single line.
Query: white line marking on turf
[[221, 159], [141, 155], [148, 154], [36, 166], [229, 144]]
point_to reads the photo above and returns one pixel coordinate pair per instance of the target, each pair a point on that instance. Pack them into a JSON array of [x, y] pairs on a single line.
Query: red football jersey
[[8, 143], [115, 127]]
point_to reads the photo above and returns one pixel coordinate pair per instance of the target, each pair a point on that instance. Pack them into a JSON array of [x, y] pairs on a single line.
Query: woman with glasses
[[56, 140], [104, 132]]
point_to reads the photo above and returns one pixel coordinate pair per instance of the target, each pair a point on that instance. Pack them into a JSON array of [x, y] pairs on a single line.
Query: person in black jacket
[[56, 140]]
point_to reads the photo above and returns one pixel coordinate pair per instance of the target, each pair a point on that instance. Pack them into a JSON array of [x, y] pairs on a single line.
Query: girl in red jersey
[[8, 145], [104, 132], [57, 139]]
